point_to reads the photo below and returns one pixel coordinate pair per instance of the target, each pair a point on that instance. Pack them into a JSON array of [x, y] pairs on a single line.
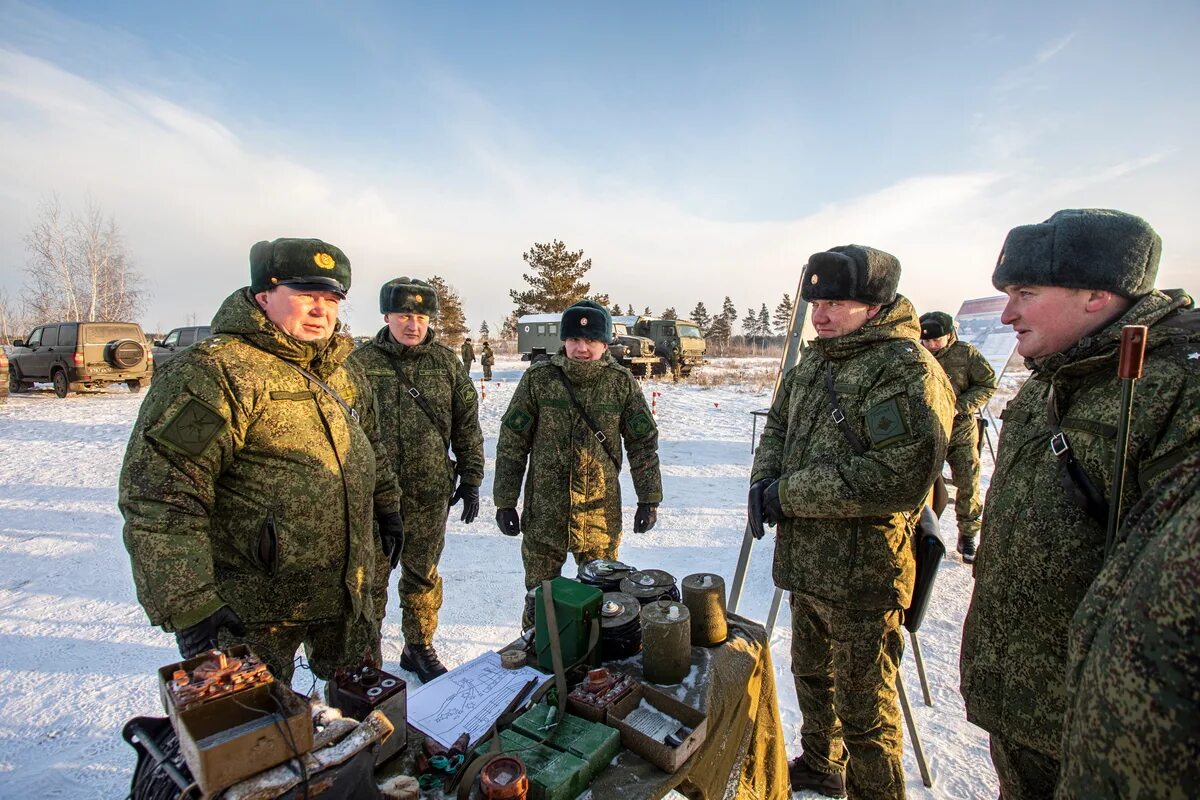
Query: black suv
[[179, 338], [78, 355]]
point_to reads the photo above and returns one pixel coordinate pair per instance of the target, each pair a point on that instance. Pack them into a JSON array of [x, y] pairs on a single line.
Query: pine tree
[[701, 318], [750, 325], [669, 313], [508, 327], [616, 311], [764, 321], [451, 321], [719, 332], [648, 312], [483, 330], [556, 281], [729, 311], [783, 314]]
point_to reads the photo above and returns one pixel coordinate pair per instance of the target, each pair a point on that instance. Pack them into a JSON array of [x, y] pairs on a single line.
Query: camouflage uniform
[[486, 359], [417, 451], [974, 383], [1039, 551], [244, 485], [572, 489], [676, 362], [1133, 725], [845, 550], [468, 355]]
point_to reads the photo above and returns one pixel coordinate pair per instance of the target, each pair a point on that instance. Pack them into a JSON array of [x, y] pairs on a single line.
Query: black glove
[[194, 640], [772, 508], [391, 535], [508, 521], [470, 497], [754, 507], [646, 516]]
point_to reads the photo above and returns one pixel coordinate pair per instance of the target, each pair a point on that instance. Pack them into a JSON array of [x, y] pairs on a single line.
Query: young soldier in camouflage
[[573, 489], [1072, 283], [427, 407], [974, 383], [253, 471], [486, 359], [1133, 715], [468, 354], [846, 489]]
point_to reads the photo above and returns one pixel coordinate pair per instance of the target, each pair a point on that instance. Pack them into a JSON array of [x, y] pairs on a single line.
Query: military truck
[[537, 338], [664, 333]]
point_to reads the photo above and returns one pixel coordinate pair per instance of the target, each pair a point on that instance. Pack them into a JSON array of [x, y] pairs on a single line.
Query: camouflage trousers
[[1024, 773], [963, 457], [844, 663], [545, 561], [328, 644], [487, 372], [420, 584]]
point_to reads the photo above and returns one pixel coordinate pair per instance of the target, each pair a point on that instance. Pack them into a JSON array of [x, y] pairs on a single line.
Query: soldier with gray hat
[[428, 409], [851, 446], [1072, 282], [254, 471]]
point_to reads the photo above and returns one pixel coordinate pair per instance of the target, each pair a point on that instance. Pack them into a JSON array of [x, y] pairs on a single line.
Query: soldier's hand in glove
[[470, 497], [646, 516], [391, 534], [194, 640], [508, 521], [772, 507], [754, 507]]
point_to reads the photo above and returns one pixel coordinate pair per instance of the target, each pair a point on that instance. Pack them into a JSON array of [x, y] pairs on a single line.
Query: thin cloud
[[1049, 52]]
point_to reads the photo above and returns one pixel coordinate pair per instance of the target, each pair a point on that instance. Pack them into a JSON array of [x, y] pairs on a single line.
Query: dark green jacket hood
[[388, 343], [241, 316], [895, 321]]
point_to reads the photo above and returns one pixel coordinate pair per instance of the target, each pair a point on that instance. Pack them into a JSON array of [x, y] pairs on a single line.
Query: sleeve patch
[[467, 394], [641, 425], [517, 419], [193, 427], [886, 423]]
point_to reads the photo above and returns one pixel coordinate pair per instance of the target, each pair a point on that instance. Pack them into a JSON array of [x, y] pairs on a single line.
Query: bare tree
[[79, 268], [14, 319]]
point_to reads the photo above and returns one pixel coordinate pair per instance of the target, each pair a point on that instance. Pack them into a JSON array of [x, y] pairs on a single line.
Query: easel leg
[[921, 669], [773, 614], [911, 723]]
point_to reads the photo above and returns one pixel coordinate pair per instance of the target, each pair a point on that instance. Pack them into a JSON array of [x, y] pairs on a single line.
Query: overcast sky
[[691, 150]]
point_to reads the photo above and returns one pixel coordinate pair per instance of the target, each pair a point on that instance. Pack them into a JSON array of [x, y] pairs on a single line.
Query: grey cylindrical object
[[666, 642], [704, 595]]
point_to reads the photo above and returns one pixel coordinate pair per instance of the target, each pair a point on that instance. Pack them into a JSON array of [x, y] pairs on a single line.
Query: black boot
[[966, 548], [423, 660], [803, 777]]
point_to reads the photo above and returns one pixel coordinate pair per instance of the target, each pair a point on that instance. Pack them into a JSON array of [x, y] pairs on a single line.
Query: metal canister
[[704, 595], [666, 642], [648, 585], [504, 778]]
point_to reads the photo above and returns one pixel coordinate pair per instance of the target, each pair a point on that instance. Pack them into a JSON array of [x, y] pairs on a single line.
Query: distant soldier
[[427, 408], [468, 354], [1133, 712], [567, 418], [486, 359], [676, 361], [1072, 282], [253, 472], [974, 383], [850, 449]]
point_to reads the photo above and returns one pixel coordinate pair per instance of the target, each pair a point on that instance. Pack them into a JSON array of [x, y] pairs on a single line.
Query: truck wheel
[[135, 386], [61, 387]]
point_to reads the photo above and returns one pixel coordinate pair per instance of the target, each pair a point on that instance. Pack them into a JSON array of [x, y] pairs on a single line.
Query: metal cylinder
[[666, 642], [704, 595], [504, 778]]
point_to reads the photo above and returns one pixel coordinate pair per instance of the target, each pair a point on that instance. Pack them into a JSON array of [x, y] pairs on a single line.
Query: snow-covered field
[[77, 657]]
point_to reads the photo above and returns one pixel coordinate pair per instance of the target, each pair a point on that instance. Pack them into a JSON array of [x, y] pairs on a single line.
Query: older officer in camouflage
[[427, 408], [974, 383], [1133, 719], [253, 471], [1072, 282], [573, 489], [851, 447]]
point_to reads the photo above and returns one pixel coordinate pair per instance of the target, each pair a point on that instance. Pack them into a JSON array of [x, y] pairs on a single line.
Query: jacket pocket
[[268, 546]]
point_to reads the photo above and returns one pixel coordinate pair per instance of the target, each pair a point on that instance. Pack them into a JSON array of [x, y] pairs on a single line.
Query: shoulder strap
[[419, 399], [839, 416], [329, 390], [591, 423], [1078, 485]]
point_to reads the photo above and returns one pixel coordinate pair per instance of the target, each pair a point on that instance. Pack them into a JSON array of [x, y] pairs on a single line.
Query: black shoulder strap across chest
[[587, 418], [839, 415], [418, 398], [1078, 485]]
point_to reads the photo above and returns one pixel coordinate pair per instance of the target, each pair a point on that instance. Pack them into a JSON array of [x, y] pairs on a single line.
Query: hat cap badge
[[814, 279], [418, 299], [583, 320], [324, 260]]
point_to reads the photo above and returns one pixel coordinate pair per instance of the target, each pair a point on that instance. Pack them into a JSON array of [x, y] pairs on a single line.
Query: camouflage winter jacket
[[970, 374], [1039, 550], [488, 357], [416, 448], [847, 538], [1133, 725], [573, 489], [244, 484]]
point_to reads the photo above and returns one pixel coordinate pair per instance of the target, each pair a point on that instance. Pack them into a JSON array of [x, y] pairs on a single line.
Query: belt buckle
[[1059, 444], [414, 392], [600, 437]]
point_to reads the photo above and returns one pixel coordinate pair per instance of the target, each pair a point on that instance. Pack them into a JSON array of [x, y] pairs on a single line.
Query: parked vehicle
[[3, 376], [179, 338], [537, 336], [81, 355], [665, 333]]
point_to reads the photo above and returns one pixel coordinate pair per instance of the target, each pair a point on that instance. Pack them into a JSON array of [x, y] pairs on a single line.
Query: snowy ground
[[77, 657]]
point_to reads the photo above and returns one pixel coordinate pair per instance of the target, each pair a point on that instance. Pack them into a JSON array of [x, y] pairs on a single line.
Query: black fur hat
[[936, 324], [1084, 248], [851, 272], [408, 296], [587, 319]]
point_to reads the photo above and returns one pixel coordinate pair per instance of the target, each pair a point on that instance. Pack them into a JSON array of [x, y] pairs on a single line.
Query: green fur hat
[[851, 272], [408, 296], [302, 264], [936, 324], [1084, 248], [587, 319]]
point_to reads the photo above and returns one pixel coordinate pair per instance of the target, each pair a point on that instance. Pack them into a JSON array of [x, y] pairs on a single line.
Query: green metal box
[[576, 606]]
